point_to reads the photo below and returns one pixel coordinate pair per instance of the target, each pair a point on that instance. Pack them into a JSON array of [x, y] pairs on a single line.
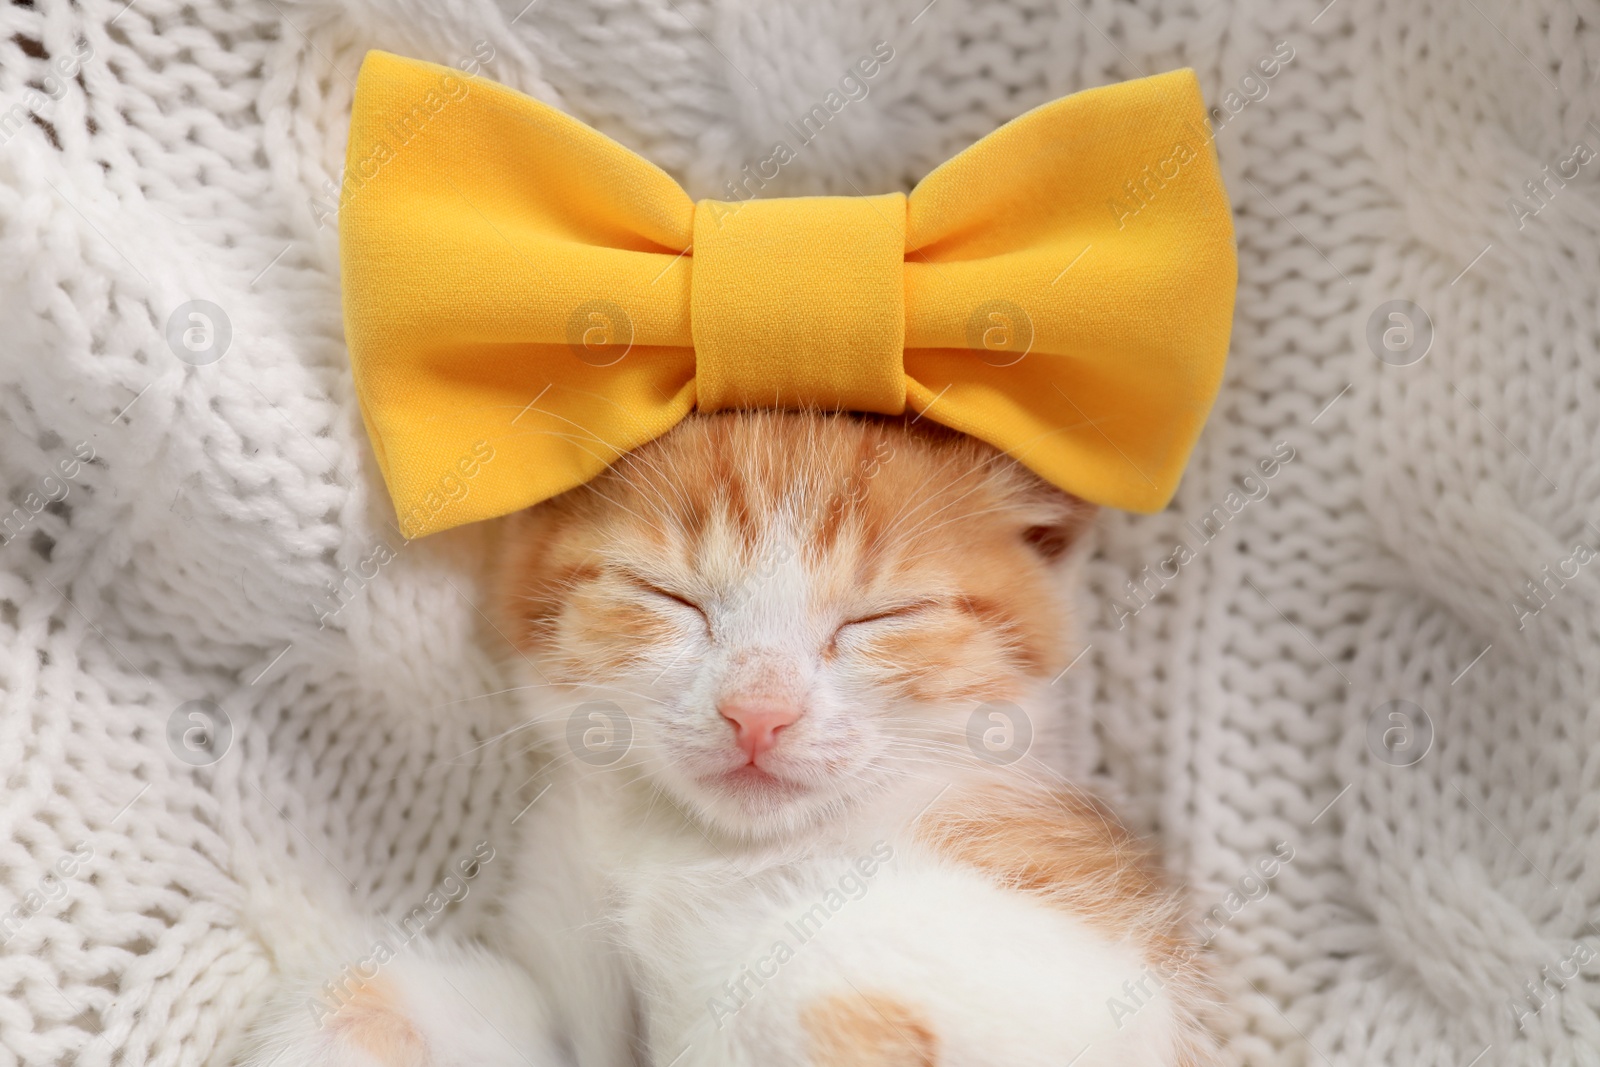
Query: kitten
[[791, 689]]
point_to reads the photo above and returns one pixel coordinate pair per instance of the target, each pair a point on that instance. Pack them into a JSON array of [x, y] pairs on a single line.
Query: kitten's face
[[791, 610]]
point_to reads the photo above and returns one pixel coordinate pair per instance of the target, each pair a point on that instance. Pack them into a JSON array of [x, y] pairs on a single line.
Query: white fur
[[470, 1007]]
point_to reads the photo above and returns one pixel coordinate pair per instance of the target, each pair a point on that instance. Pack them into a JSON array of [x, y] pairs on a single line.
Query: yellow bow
[[526, 300]]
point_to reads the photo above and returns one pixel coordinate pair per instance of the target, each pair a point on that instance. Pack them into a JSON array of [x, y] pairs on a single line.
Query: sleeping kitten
[[786, 668]]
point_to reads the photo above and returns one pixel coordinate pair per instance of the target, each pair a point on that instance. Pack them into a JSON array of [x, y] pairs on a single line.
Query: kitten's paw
[[869, 1030], [436, 1006]]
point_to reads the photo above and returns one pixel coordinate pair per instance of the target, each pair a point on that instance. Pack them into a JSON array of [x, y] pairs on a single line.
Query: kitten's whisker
[[623, 507], [1028, 767], [920, 497], [581, 443], [1052, 781], [607, 687], [979, 483], [642, 458], [997, 509], [495, 739]]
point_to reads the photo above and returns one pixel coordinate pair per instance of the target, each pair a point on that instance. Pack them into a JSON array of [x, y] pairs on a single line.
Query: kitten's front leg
[[558, 922], [434, 1004]]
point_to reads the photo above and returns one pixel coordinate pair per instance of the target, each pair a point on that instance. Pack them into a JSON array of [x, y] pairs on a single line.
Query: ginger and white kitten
[[785, 667]]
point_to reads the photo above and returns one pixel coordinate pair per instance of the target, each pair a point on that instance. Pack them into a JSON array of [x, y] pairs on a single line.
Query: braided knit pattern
[[164, 151]]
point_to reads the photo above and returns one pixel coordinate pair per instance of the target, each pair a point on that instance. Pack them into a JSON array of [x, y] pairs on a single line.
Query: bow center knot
[[800, 303]]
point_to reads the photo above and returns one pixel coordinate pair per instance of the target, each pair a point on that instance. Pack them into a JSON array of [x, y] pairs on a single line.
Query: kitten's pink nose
[[756, 723]]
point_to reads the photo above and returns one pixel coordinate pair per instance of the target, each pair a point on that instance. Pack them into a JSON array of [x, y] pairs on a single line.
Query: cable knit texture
[[158, 152]]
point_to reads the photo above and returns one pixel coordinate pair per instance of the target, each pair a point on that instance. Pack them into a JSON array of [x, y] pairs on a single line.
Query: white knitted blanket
[[1443, 880]]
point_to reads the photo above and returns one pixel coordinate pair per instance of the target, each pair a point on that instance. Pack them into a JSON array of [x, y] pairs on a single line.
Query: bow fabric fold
[[526, 300]]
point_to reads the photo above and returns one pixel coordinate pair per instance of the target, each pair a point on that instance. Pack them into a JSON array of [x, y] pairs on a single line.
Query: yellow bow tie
[[526, 300]]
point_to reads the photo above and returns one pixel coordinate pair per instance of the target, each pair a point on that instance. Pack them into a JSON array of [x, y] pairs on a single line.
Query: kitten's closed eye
[[863, 628], [676, 602], [899, 613]]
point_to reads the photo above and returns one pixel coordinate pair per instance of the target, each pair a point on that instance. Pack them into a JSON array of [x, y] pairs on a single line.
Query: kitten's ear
[[1058, 521]]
